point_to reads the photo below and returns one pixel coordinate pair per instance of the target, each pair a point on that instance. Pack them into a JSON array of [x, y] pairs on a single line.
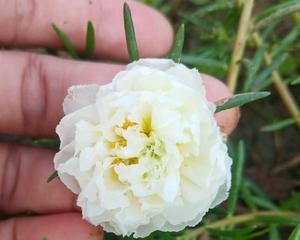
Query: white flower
[[144, 152]]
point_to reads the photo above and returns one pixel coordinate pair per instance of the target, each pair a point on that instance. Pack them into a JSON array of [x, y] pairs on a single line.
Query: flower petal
[[80, 96]]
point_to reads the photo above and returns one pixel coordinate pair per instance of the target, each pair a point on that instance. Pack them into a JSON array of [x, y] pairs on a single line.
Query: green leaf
[[296, 81], [292, 203], [198, 60], [66, 42], [234, 233], [275, 8], [263, 85], [277, 15], [239, 100], [287, 42], [247, 196], [269, 69], [177, 47], [130, 34], [221, 212], [255, 188], [258, 57], [90, 41], [256, 234], [295, 234], [52, 176], [274, 233], [281, 220], [278, 125], [264, 203], [216, 6], [250, 73], [237, 172], [252, 67], [261, 199], [47, 143], [242, 234], [269, 31]]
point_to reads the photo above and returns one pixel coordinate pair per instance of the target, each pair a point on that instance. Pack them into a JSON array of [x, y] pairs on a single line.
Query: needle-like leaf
[[239, 100], [90, 41], [278, 125], [237, 172], [52, 176], [296, 81], [66, 42], [282, 220], [177, 47], [295, 234], [47, 143], [130, 34]]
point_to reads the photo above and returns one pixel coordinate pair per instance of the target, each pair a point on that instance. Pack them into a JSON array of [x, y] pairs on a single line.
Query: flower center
[[153, 149]]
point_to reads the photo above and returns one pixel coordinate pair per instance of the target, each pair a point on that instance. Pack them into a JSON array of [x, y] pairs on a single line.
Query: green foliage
[[274, 233], [177, 47], [130, 34], [66, 42], [252, 68], [154, 236], [47, 143], [279, 220], [247, 196], [278, 125], [287, 43], [295, 234], [292, 203], [277, 15], [239, 234], [259, 198], [239, 100], [262, 76], [203, 62], [90, 41], [296, 81], [274, 9], [237, 173], [52, 176], [69, 47]]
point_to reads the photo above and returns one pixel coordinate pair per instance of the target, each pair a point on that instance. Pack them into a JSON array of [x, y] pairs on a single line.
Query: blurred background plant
[[252, 46]]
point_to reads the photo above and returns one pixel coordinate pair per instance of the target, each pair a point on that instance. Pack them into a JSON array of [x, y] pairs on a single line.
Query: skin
[[33, 86]]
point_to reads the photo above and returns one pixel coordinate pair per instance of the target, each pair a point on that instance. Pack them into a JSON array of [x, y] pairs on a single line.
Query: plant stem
[[238, 220], [283, 90], [240, 43]]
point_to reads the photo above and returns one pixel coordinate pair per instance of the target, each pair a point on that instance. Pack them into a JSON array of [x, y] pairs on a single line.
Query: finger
[[23, 182], [53, 227], [28, 23], [217, 90], [31, 101]]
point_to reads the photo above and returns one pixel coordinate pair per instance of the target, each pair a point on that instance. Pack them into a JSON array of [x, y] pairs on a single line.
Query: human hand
[[32, 88]]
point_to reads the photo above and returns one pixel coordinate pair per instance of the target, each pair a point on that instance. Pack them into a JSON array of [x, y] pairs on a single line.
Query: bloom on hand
[[144, 152]]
